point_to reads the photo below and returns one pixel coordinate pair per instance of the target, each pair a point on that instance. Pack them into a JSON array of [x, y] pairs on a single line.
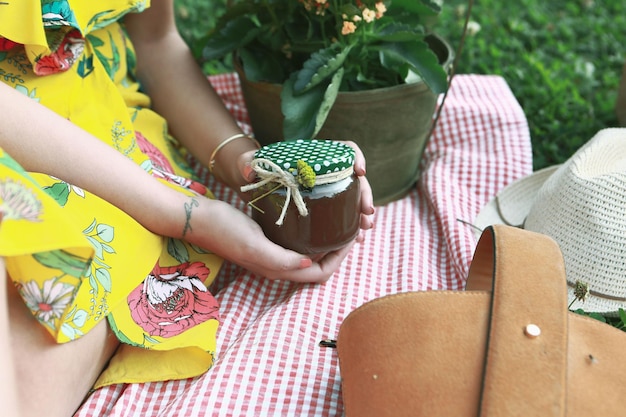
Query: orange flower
[[380, 9], [348, 28]]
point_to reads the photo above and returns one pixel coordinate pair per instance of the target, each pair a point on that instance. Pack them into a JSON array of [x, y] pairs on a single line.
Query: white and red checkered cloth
[[269, 361]]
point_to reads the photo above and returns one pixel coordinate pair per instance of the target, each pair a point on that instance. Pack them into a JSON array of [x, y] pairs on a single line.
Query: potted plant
[[301, 60]]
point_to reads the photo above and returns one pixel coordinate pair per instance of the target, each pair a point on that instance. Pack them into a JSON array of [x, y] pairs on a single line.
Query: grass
[[562, 60]]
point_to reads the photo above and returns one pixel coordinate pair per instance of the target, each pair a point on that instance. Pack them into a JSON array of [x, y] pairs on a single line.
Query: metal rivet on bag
[[532, 331]]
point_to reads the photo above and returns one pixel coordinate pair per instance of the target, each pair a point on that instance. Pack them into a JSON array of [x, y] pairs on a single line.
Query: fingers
[[367, 205], [359, 158], [282, 264], [320, 271], [274, 261], [367, 198], [243, 163], [331, 262]]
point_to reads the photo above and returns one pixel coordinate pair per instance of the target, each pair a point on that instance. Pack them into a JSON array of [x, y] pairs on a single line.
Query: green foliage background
[[562, 59]]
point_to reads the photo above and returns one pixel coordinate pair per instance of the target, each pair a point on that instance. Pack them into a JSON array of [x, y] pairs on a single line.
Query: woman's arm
[[196, 115], [181, 93], [42, 141]]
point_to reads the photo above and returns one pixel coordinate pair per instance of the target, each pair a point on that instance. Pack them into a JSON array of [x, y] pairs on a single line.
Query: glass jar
[[308, 213]]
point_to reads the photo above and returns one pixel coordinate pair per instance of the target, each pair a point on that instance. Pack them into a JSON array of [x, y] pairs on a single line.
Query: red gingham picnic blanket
[[269, 361]]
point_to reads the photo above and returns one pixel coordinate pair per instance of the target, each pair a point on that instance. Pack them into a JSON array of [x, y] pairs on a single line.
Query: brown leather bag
[[507, 346]]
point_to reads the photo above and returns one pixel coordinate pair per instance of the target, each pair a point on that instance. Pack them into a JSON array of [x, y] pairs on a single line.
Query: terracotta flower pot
[[390, 125]]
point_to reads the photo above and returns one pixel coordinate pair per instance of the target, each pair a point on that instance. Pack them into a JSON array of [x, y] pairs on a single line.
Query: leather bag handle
[[526, 355], [472, 353]]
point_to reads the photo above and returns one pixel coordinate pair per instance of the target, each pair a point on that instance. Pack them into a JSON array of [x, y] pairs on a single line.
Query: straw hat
[[582, 205]]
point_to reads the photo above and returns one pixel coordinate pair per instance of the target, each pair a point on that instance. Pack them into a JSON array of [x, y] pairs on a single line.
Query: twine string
[[286, 179]]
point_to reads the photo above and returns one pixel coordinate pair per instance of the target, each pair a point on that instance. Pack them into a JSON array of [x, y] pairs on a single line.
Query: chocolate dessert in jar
[[307, 197]]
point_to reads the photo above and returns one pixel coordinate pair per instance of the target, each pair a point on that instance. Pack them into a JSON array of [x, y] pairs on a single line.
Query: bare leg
[[8, 383], [53, 379]]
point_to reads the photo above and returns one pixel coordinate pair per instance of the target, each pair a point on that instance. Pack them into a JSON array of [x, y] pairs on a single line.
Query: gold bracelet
[[226, 142]]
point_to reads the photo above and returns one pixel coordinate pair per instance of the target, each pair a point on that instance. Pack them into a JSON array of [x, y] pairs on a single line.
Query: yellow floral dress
[[75, 258]]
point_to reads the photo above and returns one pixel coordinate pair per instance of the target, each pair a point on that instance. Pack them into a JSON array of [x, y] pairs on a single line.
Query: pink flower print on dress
[[159, 161], [173, 299], [6, 44], [62, 59], [161, 167]]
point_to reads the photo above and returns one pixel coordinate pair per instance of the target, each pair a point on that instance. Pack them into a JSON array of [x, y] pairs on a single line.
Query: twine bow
[[284, 178], [289, 181]]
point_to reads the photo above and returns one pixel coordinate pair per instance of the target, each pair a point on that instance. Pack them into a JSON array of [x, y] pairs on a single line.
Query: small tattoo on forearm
[[188, 207]]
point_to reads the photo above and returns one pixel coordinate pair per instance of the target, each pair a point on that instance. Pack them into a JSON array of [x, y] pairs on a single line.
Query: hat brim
[[513, 203], [511, 206]]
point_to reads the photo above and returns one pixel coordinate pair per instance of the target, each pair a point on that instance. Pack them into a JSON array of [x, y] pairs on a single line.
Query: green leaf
[[598, 317], [198, 249], [95, 41], [330, 95], [416, 12], [93, 284], [300, 111], [11, 163], [69, 331], [261, 66], [60, 191], [321, 65], [91, 227], [59, 259], [96, 245], [104, 278], [176, 248], [622, 315], [80, 317], [100, 262], [32, 94], [107, 248], [105, 62], [115, 57], [232, 36], [418, 7], [105, 232], [147, 338], [146, 165], [121, 336], [349, 9], [399, 32], [422, 60]]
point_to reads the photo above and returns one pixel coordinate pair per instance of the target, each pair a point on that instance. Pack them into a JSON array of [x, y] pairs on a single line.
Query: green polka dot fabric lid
[[324, 156]]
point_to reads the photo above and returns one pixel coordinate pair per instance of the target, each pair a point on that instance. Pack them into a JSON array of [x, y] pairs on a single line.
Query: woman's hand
[[323, 265], [230, 233], [367, 199]]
